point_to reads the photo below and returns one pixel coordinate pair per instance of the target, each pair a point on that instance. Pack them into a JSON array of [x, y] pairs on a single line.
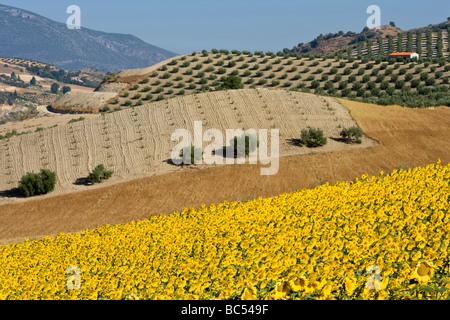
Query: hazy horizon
[[183, 27]]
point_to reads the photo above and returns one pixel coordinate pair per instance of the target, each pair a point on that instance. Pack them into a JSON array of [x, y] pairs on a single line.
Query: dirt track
[[408, 137]]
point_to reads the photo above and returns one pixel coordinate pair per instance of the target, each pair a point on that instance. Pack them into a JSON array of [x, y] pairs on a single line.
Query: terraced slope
[[426, 43]]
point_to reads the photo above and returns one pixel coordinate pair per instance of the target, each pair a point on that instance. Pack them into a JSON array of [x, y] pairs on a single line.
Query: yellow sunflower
[[283, 286], [423, 271], [350, 286], [298, 283], [249, 294]]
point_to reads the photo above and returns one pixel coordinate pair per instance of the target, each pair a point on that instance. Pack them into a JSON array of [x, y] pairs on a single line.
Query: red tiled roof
[[401, 53]]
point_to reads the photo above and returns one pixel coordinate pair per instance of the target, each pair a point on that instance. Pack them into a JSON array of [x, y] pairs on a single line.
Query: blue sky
[[184, 26]]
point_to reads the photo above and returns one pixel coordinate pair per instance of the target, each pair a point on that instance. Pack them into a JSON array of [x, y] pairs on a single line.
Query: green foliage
[[232, 82], [313, 137], [76, 120], [54, 88], [244, 145], [99, 174], [34, 184], [191, 155]]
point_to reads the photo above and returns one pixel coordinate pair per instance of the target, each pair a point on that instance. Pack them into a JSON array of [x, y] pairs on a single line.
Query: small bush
[[232, 82], [313, 137], [244, 145], [76, 120], [353, 134], [34, 184], [191, 155], [99, 174]]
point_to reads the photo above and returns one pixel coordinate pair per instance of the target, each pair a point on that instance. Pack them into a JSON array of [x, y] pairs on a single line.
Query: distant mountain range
[[24, 34]]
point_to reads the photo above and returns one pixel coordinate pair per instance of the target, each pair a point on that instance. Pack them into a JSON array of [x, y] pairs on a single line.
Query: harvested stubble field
[[407, 137], [137, 142]]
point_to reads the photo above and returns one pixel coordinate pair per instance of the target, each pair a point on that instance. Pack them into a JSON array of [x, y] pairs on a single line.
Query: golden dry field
[[407, 138]]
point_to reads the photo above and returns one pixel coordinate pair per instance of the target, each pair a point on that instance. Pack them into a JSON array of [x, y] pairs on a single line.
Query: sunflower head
[[283, 286], [298, 284], [349, 285], [423, 271], [249, 294]]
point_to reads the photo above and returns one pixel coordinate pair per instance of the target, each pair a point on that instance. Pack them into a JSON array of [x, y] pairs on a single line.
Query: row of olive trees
[[248, 143], [34, 184]]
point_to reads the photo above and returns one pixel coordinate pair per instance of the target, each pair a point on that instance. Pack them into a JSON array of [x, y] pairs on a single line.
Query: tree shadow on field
[[341, 140], [295, 142], [182, 165], [82, 182], [12, 193], [170, 161]]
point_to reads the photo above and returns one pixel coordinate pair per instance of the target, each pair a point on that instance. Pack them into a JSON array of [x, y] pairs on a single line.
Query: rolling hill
[[137, 142], [27, 35], [422, 83]]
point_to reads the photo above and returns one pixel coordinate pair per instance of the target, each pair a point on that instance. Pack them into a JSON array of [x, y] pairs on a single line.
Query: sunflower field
[[377, 237]]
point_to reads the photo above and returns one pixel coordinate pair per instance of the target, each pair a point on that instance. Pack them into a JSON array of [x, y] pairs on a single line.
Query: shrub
[[76, 120], [353, 134], [191, 155], [99, 174], [232, 82], [399, 84], [34, 184], [104, 109], [430, 81], [244, 145], [313, 137], [423, 76], [315, 84], [408, 76]]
